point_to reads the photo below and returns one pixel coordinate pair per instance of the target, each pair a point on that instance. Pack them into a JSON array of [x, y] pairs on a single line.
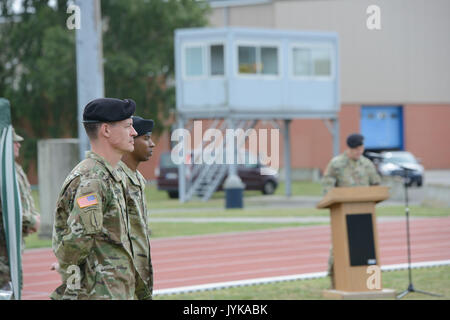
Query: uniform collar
[[132, 175], [351, 160], [114, 173]]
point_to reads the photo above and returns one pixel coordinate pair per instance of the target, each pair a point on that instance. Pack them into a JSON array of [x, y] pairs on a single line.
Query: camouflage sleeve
[[30, 216], [329, 178], [374, 177], [73, 242], [143, 183]]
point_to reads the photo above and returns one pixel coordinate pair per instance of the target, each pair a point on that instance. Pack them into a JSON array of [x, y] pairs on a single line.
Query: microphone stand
[[410, 286]]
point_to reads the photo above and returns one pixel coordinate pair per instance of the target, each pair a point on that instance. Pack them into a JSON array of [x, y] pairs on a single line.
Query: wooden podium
[[355, 242]]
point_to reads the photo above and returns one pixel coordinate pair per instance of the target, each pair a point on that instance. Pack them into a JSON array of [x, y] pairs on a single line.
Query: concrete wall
[[427, 133], [56, 158], [404, 62], [261, 15]]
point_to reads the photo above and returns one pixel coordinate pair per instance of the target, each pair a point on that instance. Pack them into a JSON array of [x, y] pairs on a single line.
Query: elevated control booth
[[239, 76]]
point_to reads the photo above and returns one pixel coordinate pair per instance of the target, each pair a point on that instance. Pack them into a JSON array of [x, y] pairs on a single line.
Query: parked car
[[390, 163], [167, 176]]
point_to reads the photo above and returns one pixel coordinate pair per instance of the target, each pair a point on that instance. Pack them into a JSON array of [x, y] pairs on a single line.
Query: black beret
[[108, 110], [142, 126], [355, 140]]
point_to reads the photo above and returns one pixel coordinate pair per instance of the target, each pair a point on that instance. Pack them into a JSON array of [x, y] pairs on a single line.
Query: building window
[[217, 60], [311, 62], [321, 62], [204, 60], [247, 60], [258, 60], [194, 62], [301, 62], [269, 60]]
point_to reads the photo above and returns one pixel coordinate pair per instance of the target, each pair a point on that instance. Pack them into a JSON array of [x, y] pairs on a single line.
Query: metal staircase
[[206, 178]]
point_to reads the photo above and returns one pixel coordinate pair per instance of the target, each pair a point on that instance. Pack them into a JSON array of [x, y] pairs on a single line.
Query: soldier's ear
[[105, 130]]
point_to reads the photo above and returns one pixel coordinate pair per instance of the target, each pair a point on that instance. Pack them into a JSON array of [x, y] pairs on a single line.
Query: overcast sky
[[18, 7]]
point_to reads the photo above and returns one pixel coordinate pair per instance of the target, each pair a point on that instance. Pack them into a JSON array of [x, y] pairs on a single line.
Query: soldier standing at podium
[[349, 169]]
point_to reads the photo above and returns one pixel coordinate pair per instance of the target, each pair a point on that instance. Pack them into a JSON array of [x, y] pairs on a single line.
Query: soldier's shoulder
[[123, 169], [86, 170], [141, 177], [90, 169], [121, 165], [366, 161], [339, 160], [18, 167]]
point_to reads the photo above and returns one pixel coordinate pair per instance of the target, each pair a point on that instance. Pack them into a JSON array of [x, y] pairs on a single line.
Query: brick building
[[395, 81]]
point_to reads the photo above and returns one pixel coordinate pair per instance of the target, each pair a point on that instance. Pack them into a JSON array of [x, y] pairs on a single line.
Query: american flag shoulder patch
[[87, 201]]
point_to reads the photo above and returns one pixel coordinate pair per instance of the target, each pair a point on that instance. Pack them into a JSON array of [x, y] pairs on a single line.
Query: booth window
[[197, 58], [311, 62], [322, 62], [217, 60], [301, 62], [194, 61], [269, 60], [258, 60], [247, 60]]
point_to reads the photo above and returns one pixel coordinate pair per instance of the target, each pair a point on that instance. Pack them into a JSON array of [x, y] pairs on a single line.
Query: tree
[[38, 63], [139, 58]]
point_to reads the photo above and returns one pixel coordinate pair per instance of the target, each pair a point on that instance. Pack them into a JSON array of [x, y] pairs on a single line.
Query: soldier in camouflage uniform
[[136, 204], [91, 235], [349, 169], [30, 216]]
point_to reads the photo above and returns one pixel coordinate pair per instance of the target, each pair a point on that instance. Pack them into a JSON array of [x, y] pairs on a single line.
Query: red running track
[[196, 260]]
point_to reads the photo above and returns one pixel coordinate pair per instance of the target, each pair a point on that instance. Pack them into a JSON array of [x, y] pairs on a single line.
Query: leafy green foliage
[[38, 62]]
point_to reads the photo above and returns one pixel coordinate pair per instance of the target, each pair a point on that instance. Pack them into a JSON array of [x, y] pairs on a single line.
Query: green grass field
[[158, 200], [434, 279]]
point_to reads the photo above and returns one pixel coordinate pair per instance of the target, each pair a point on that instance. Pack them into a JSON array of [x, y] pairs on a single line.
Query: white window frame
[[206, 61], [306, 45], [183, 60], [257, 44]]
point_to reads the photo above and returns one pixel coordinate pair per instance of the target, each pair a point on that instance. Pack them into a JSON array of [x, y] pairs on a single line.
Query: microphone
[[405, 168], [375, 155]]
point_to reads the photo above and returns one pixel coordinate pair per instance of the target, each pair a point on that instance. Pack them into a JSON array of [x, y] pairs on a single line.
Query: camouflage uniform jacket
[[137, 211], [29, 219], [29, 213], [91, 235], [345, 172]]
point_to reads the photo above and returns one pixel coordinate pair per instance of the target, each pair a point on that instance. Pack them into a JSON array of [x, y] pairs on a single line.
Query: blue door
[[382, 127]]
